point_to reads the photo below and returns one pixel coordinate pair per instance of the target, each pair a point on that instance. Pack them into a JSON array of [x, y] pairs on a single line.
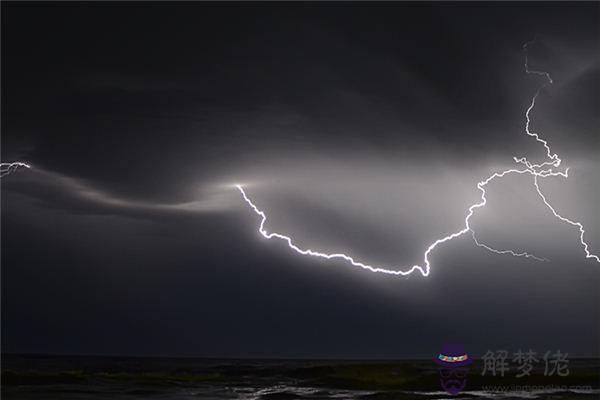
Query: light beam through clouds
[[542, 170]]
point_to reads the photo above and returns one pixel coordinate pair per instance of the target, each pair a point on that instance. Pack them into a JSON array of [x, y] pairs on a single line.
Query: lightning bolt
[[542, 170], [579, 225], [554, 160], [8, 168], [309, 252], [510, 252]]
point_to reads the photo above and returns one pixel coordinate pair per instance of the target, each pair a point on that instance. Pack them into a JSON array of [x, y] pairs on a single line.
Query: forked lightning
[[542, 170]]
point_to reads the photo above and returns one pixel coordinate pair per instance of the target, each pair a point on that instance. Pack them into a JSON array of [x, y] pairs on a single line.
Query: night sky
[[360, 128]]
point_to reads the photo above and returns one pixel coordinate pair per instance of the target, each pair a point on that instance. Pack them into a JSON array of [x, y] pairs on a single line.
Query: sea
[[90, 377]]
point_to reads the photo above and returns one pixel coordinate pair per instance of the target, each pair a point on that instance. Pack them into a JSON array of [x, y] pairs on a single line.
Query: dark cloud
[[362, 127]]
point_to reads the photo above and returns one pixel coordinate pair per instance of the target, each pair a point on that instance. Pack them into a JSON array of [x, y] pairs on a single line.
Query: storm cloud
[[358, 127]]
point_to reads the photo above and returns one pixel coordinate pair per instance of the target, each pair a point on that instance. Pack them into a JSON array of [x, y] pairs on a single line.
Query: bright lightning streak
[[395, 271], [309, 252], [537, 170], [8, 168]]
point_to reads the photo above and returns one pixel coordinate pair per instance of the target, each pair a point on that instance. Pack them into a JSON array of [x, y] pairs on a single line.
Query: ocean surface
[[83, 377]]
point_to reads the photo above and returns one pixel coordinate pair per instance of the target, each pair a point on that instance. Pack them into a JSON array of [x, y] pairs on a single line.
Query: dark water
[[53, 377]]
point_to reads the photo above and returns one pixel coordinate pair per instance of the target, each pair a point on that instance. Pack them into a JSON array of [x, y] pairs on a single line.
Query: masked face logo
[[453, 366], [453, 380]]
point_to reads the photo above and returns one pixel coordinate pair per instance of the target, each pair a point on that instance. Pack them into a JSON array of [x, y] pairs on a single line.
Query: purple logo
[[453, 365]]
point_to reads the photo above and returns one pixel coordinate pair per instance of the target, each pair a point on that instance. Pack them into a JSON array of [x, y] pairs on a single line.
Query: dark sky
[[361, 128]]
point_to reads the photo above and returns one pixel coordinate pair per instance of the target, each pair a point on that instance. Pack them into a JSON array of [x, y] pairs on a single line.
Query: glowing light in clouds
[[542, 170]]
